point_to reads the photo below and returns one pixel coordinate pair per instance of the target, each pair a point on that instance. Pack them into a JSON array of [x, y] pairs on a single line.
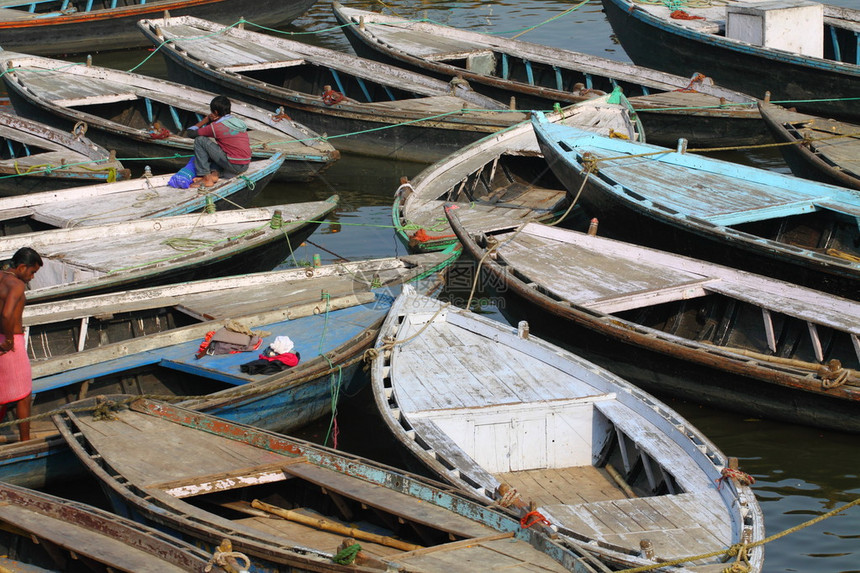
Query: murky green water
[[800, 472]]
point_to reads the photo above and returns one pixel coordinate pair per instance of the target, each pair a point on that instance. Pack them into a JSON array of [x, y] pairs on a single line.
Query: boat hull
[[724, 127], [165, 155], [652, 43], [115, 29], [348, 130]]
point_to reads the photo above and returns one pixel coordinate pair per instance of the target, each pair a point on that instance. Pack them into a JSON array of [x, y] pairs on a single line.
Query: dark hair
[[27, 257], [220, 105]]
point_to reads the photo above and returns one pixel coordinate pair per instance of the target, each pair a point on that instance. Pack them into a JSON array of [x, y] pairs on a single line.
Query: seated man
[[221, 139]]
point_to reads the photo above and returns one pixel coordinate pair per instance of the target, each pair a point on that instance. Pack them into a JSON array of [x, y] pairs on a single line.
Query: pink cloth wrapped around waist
[[16, 378]]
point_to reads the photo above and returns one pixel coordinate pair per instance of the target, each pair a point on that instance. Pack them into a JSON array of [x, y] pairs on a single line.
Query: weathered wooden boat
[[36, 157], [826, 150], [802, 52], [765, 222], [41, 532], [500, 178], [145, 341], [365, 107], [83, 261], [55, 27], [512, 418], [129, 200], [670, 106], [285, 503], [146, 118], [682, 327]]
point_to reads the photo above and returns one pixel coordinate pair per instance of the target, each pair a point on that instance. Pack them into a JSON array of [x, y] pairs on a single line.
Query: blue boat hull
[[283, 403]]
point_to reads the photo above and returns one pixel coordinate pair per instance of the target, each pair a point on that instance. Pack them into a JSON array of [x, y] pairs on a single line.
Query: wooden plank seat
[[387, 500], [238, 68], [96, 99]]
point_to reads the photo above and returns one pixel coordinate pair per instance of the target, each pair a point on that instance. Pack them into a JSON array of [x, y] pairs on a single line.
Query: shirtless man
[[16, 378]]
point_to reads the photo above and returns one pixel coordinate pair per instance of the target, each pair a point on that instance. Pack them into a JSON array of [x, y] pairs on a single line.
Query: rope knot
[[225, 557], [832, 374], [536, 517], [104, 409]]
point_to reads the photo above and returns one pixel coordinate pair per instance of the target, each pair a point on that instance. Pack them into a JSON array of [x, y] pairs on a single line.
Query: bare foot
[[209, 179], [196, 179]]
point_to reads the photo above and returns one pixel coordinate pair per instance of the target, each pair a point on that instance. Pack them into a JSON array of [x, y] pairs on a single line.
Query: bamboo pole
[[332, 527]]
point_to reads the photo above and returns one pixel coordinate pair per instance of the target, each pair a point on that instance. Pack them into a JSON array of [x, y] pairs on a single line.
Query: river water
[[800, 472]]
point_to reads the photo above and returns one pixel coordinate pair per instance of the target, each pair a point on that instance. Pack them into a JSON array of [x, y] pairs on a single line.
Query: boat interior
[[723, 313], [826, 231], [562, 440], [514, 180], [249, 491]]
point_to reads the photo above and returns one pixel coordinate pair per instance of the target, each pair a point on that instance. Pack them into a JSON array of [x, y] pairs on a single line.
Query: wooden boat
[[41, 532], [687, 106], [35, 157], [287, 504], [144, 117], [80, 261], [514, 419], [54, 27], [363, 106], [501, 178], [681, 327], [129, 200], [145, 341], [825, 149], [817, 72], [765, 222]]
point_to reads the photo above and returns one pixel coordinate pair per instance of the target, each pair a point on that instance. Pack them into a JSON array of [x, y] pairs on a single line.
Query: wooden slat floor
[[671, 522], [574, 485], [168, 452]]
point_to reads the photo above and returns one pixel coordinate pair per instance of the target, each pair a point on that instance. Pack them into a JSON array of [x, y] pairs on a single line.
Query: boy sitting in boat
[[221, 139]]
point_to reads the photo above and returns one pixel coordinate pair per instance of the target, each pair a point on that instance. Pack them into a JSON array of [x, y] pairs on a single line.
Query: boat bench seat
[[387, 500], [262, 66], [96, 99], [844, 24]]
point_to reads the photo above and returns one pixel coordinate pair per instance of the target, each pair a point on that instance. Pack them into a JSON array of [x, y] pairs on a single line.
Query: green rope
[[249, 183], [347, 555], [334, 381]]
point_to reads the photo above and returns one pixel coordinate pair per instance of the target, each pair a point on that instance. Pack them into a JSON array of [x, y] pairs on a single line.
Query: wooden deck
[[172, 455], [565, 486], [610, 276]]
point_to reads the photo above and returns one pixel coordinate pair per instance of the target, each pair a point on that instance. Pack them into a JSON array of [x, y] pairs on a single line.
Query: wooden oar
[[332, 527]]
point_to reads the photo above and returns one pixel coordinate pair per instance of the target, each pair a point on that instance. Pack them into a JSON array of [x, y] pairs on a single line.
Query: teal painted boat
[[764, 222], [285, 503]]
